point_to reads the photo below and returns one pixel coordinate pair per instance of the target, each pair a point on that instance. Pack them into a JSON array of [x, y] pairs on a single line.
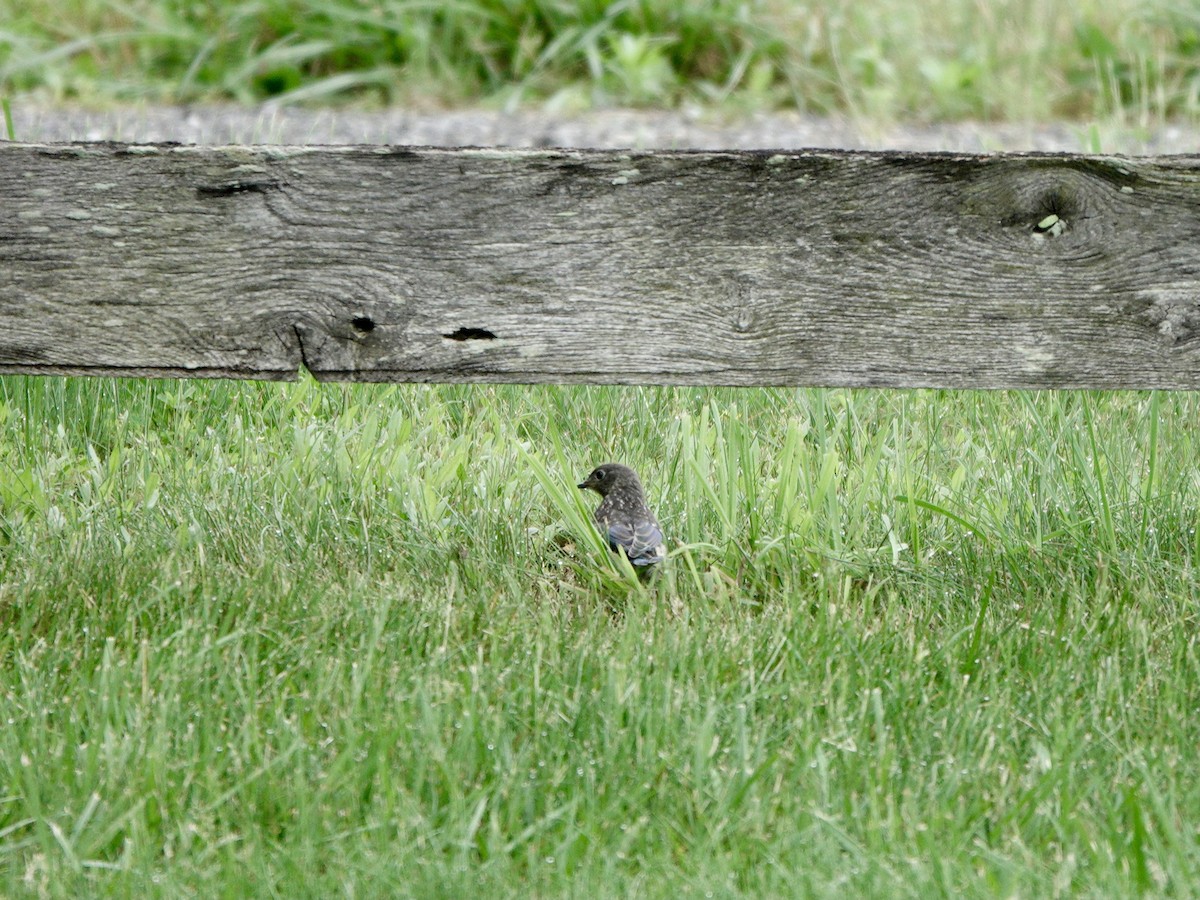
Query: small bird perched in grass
[[623, 516]]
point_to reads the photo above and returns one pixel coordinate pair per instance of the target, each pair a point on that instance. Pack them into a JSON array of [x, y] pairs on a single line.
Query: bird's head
[[604, 479]]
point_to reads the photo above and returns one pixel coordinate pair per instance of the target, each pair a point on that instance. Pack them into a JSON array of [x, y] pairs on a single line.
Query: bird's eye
[[599, 473]]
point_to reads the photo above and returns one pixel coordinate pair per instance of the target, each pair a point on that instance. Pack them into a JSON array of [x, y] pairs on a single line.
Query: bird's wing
[[642, 540]]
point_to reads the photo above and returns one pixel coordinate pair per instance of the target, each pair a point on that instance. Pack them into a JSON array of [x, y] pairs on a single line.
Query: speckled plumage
[[623, 516]]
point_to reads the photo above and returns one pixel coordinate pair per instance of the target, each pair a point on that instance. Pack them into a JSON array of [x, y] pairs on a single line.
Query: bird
[[623, 516]]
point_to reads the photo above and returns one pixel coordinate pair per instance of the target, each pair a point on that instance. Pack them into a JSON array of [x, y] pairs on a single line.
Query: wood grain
[[743, 268]]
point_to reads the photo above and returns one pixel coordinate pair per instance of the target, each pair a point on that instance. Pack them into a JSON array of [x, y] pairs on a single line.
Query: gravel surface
[[598, 129]]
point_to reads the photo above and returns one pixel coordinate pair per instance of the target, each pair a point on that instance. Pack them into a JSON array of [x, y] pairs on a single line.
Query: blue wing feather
[[641, 541]]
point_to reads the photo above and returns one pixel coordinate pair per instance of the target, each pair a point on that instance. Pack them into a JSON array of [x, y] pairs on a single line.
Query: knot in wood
[[742, 318], [1174, 312], [740, 309], [1049, 197]]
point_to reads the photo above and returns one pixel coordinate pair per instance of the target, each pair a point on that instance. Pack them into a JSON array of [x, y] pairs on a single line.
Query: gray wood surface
[[379, 263]]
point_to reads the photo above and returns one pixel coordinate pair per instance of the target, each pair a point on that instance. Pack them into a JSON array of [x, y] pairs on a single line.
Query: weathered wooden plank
[[743, 268]]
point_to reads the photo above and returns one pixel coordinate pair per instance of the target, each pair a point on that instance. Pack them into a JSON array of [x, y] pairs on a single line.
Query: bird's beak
[[583, 485]]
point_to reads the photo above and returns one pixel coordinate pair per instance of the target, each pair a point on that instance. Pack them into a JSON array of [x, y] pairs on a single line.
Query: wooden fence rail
[[377, 263]]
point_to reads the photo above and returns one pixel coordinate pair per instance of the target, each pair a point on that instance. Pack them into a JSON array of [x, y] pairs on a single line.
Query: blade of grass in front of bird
[[570, 506]]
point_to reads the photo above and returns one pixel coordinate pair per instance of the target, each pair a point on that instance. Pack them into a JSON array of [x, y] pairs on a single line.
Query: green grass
[[941, 59], [303, 640]]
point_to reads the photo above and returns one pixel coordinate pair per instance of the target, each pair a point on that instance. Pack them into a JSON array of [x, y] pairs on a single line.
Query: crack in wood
[[304, 363], [240, 186]]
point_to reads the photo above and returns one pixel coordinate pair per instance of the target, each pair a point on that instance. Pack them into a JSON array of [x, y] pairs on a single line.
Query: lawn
[[306, 640], [358, 640]]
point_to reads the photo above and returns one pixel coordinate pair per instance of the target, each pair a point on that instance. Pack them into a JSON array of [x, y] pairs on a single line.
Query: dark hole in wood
[[470, 334], [363, 323]]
